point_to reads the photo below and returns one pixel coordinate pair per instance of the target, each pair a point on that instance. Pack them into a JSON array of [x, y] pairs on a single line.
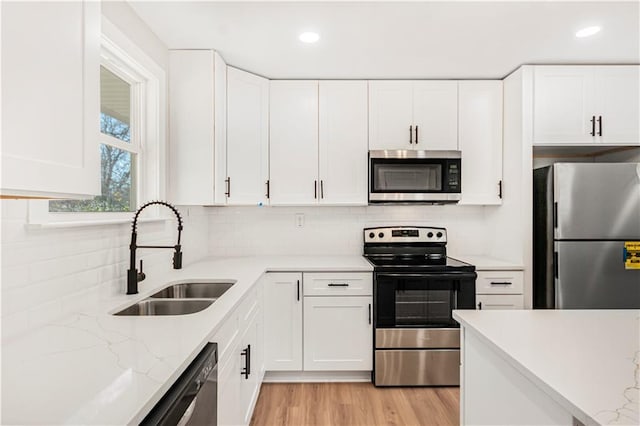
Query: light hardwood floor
[[321, 404]]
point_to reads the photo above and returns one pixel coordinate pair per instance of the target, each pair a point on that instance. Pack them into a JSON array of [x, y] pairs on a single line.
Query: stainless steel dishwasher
[[192, 400]]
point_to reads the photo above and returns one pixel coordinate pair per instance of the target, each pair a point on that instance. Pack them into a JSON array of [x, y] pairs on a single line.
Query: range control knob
[[381, 235], [439, 234], [430, 234], [372, 235]]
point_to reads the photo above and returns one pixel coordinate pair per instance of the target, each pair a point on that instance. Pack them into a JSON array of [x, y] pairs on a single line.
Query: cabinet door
[[50, 99], [249, 383], [293, 149], [283, 321], [480, 133], [499, 301], [196, 127], [390, 115], [338, 333], [618, 99], [343, 142], [563, 104], [247, 137], [435, 114], [229, 381]]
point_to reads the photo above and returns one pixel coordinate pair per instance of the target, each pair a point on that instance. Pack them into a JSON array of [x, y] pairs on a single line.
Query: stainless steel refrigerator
[[584, 213]]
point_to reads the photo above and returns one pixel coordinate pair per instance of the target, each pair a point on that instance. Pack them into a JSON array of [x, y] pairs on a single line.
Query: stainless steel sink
[[210, 290], [166, 307]]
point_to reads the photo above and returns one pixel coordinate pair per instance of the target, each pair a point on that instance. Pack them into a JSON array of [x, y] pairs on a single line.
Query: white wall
[[240, 231]]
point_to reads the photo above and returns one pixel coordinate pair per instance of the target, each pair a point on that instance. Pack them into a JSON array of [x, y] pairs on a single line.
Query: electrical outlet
[[299, 220]]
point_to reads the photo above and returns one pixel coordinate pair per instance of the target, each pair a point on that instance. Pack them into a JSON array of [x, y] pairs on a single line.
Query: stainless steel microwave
[[405, 176]]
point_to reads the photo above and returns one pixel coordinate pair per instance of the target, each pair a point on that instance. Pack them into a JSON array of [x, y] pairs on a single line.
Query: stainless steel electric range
[[416, 287]]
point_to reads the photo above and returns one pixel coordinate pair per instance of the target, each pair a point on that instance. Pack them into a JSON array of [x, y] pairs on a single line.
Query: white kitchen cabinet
[[318, 142], [338, 333], [250, 368], [499, 301], [197, 127], [586, 104], [283, 321], [500, 282], [50, 99], [421, 115], [229, 396], [293, 146], [343, 142], [247, 138], [480, 137]]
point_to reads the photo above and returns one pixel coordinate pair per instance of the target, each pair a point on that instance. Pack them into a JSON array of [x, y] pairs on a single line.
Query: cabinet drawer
[[499, 282], [338, 284], [499, 301]]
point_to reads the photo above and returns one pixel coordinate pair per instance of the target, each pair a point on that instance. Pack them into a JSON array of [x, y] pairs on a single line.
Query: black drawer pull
[[338, 285], [501, 283], [246, 353]]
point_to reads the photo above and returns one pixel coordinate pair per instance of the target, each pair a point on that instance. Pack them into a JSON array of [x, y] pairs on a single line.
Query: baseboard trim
[[316, 376]]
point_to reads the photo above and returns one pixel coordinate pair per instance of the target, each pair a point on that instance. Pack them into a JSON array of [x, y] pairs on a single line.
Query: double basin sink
[[178, 299]]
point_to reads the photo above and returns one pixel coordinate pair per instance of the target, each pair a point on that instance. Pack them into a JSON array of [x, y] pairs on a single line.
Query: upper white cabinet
[[480, 136], [247, 138], [343, 142], [293, 149], [587, 104], [318, 142], [421, 115], [50, 99], [197, 127]]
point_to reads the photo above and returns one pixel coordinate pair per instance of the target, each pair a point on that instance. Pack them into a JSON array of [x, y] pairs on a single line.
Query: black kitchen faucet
[[133, 276]]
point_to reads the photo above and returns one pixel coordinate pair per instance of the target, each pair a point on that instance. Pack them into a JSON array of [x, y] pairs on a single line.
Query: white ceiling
[[398, 39]]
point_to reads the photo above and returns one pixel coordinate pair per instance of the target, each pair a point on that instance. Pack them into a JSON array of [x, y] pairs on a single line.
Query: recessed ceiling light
[[309, 37], [588, 31]]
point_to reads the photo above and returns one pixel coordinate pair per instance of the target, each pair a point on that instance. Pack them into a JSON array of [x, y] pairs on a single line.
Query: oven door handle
[[450, 275]]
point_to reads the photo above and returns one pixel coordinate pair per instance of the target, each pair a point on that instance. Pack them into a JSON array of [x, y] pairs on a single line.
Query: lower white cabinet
[[338, 333], [329, 329], [241, 360], [283, 321], [502, 289]]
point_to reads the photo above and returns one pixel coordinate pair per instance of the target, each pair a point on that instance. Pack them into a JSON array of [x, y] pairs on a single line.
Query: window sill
[[89, 223]]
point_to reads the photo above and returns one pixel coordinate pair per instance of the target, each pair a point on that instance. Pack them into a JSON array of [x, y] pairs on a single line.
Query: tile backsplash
[[239, 231], [46, 271]]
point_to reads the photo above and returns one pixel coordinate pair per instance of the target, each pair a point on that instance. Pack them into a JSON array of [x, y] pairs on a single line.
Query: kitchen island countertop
[[588, 361]]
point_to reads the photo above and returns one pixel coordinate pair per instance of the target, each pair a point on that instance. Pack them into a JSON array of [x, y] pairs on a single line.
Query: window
[[132, 138], [119, 150]]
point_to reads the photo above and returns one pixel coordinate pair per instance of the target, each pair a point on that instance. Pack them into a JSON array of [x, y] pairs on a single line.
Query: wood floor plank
[[354, 404]]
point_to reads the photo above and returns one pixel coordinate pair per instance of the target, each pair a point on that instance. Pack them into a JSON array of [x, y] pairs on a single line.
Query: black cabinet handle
[[315, 189], [322, 189], [500, 283], [246, 353], [500, 189], [593, 125], [480, 305], [599, 125], [338, 284], [369, 313], [298, 284], [410, 134], [416, 134], [268, 189], [228, 182]]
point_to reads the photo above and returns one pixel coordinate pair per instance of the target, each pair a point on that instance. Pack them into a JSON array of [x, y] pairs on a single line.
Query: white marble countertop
[[586, 360], [486, 263], [95, 368]]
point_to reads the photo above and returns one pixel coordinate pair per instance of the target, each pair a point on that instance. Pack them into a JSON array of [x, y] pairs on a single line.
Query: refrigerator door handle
[[555, 264]]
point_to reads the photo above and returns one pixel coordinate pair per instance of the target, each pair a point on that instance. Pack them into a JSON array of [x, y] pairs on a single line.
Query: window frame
[[148, 134]]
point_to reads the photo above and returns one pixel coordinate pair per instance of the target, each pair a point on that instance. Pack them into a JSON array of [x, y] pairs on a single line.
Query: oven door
[[422, 300]]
